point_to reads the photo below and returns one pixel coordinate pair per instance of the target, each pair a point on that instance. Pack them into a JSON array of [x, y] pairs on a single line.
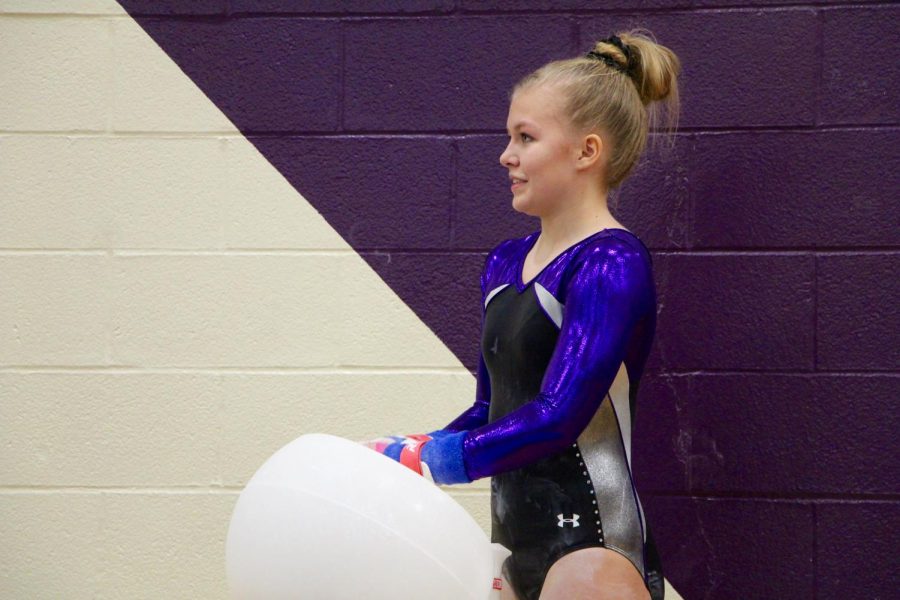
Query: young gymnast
[[568, 319]]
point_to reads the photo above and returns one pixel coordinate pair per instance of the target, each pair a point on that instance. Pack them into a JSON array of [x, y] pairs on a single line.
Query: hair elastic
[[615, 41]]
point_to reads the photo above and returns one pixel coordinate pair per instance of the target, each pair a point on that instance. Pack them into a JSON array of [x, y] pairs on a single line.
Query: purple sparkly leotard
[[561, 359]]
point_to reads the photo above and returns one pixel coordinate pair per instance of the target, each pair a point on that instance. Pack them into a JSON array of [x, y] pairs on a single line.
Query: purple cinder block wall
[[765, 442]]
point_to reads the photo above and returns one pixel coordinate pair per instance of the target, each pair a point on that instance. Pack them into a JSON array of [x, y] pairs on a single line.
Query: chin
[[524, 207]]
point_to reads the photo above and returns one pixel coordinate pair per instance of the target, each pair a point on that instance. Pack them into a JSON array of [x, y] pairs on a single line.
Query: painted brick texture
[[162, 278]]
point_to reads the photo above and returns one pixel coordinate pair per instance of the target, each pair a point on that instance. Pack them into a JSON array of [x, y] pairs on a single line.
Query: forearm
[[477, 414], [473, 417], [538, 429]]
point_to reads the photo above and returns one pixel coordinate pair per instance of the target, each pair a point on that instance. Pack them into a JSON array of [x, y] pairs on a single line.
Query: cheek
[[535, 162], [549, 175], [547, 160]]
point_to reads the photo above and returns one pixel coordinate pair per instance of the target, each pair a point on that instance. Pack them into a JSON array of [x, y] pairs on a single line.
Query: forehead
[[533, 107]]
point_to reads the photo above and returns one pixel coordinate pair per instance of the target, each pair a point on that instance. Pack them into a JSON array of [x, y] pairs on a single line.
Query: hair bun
[[617, 42], [628, 68]]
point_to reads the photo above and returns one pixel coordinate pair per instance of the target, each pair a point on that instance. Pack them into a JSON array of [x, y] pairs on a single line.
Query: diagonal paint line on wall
[[279, 82]]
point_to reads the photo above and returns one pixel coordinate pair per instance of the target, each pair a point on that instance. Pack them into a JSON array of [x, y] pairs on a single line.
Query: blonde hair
[[600, 98]]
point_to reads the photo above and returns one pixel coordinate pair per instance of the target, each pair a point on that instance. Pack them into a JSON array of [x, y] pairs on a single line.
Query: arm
[[477, 414], [444, 466], [611, 287], [441, 459]]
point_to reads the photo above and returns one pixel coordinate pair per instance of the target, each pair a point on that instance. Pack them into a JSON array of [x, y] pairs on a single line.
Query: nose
[[505, 156]]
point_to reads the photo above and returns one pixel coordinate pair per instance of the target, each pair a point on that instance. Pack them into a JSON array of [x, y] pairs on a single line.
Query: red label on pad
[[498, 583]]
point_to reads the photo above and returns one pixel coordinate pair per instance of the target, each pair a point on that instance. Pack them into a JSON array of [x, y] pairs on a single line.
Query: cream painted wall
[[172, 312]]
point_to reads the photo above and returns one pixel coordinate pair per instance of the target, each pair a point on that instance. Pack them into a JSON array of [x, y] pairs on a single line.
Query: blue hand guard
[[437, 455]]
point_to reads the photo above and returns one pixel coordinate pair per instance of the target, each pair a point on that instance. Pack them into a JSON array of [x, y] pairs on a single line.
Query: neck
[[574, 221]]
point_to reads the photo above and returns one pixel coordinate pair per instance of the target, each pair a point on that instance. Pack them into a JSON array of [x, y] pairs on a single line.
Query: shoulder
[[615, 247], [509, 248], [616, 261], [502, 256]]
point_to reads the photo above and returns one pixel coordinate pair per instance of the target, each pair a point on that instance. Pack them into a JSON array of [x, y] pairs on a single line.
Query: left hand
[[405, 449], [437, 456]]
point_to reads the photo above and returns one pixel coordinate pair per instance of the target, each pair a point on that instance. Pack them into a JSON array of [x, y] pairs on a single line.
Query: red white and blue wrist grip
[[437, 456]]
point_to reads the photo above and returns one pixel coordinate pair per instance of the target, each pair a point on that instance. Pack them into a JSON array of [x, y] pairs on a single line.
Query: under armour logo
[[494, 347], [573, 520]]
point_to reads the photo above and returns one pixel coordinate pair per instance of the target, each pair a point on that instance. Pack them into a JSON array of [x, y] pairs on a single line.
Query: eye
[[524, 135]]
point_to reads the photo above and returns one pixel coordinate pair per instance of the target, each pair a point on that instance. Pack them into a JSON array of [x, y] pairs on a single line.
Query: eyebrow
[[520, 123]]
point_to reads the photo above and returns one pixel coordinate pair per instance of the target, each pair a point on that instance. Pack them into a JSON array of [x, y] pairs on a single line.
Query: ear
[[591, 151]]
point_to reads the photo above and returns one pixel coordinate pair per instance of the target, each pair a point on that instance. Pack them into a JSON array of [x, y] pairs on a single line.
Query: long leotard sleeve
[[477, 414], [609, 290]]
